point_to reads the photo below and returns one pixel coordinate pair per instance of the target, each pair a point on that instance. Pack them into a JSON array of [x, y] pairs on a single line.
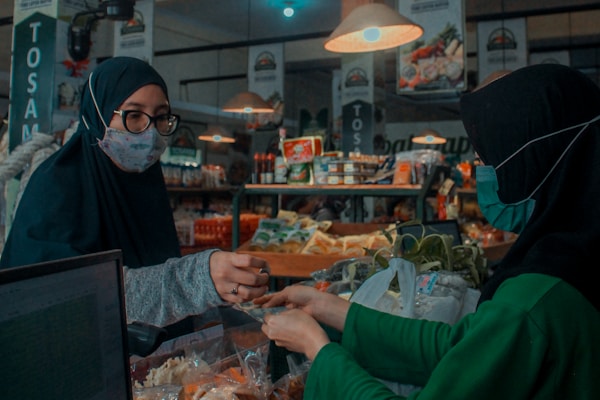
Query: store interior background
[[193, 41]]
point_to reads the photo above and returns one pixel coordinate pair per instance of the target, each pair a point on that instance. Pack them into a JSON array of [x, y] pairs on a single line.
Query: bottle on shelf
[[281, 169], [256, 172], [270, 168], [263, 168]]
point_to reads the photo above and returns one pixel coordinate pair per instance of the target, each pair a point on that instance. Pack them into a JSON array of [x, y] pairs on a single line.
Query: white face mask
[[131, 152]]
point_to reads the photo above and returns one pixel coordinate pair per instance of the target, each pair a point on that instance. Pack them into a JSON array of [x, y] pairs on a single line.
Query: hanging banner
[[25, 8], [133, 38], [30, 95], [501, 45], [357, 103], [266, 69], [550, 57], [336, 107], [436, 61]]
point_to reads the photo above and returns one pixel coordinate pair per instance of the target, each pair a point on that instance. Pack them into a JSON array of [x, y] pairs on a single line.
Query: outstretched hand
[[327, 308], [239, 277]]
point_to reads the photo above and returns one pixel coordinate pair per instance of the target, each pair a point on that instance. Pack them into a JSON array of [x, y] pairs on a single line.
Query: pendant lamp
[[429, 136], [371, 27], [217, 134], [247, 102]]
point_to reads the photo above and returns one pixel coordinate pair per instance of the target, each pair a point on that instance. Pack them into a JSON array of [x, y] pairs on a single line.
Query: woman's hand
[[239, 277], [296, 331], [300, 296], [324, 307]]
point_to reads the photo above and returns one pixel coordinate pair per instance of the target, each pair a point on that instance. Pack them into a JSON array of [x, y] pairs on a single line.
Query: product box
[[302, 150], [301, 265]]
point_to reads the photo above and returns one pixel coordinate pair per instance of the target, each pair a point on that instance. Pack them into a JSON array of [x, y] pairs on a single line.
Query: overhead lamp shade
[[216, 133], [372, 27], [429, 136], [247, 102]]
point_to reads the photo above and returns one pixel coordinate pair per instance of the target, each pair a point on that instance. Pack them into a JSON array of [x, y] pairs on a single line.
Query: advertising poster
[[501, 45], [550, 57], [358, 90], [266, 70], [134, 37], [436, 61], [31, 95]]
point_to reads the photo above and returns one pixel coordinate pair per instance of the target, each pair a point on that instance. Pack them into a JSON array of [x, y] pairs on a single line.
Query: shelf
[[355, 192], [200, 190], [343, 190]]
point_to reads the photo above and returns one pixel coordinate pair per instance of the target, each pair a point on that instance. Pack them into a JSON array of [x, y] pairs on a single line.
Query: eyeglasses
[[138, 121]]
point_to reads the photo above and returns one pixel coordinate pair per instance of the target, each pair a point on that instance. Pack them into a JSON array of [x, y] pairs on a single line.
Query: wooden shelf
[[200, 190], [355, 192]]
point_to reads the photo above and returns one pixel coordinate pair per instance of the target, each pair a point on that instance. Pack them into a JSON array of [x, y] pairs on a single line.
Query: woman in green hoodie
[[534, 334]]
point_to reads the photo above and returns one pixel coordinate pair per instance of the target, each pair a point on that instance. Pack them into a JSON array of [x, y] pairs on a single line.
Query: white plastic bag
[[374, 293], [444, 299]]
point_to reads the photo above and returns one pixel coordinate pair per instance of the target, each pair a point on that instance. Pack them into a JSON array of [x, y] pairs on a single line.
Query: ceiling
[[200, 24]]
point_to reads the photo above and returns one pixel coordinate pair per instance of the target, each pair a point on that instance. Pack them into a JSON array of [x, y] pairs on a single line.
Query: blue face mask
[[513, 217], [507, 217]]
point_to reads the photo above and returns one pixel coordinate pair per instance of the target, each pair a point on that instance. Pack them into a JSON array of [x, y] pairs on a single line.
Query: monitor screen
[[63, 332]]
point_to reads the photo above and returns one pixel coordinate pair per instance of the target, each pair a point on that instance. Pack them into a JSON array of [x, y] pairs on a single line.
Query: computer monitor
[[63, 331]]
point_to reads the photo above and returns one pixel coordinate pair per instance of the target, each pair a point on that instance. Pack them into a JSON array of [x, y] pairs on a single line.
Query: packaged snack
[[302, 150]]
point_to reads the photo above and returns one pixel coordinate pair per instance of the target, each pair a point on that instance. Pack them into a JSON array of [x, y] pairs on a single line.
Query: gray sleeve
[[166, 293]]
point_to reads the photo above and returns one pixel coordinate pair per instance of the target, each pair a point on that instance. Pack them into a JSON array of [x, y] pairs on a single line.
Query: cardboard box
[[301, 265]]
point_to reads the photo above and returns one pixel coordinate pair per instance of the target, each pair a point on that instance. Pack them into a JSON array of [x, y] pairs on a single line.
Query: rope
[[22, 155]]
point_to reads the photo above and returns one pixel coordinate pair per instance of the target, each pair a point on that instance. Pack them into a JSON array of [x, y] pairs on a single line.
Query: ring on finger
[[264, 271], [235, 289]]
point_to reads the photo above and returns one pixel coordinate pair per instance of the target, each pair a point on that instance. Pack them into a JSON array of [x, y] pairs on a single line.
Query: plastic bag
[[374, 292], [437, 296]]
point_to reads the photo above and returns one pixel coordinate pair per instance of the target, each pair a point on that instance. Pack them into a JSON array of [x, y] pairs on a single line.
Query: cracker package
[[302, 150]]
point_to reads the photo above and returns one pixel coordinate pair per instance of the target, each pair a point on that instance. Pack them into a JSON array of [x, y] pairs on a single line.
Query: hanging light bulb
[[371, 27], [247, 102], [429, 136], [216, 133], [288, 12]]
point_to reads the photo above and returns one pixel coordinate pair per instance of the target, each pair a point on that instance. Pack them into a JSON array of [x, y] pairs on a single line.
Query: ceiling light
[[288, 12], [247, 102], [429, 136], [217, 134], [371, 27]]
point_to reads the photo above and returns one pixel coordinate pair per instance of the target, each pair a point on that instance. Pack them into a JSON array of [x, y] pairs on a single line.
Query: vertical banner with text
[[134, 38], [550, 57], [358, 90], [501, 45], [31, 95], [266, 70]]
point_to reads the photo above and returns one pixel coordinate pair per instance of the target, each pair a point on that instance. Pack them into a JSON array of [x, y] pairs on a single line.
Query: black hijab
[[78, 202], [563, 233]]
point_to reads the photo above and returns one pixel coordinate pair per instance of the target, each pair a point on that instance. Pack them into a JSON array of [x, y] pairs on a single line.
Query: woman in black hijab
[[538, 129], [104, 189], [534, 334]]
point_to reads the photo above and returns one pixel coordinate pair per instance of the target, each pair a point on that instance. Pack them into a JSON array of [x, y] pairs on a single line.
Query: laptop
[[63, 330]]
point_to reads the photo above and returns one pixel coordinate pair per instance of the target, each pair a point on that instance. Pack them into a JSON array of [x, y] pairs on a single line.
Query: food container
[[302, 265], [302, 150], [335, 179]]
